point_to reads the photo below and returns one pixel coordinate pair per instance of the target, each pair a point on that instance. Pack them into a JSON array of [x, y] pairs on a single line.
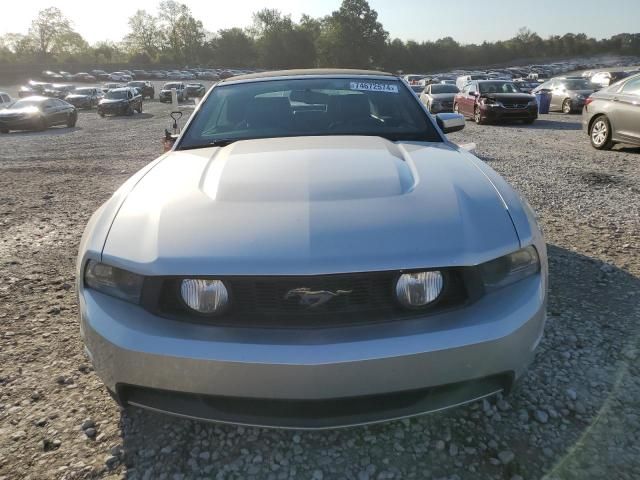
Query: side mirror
[[450, 122]]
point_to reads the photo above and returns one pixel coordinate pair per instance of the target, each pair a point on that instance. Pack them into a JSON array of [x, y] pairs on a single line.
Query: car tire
[[566, 106], [139, 109], [477, 117], [72, 119], [101, 114], [600, 133], [129, 111], [4, 130]]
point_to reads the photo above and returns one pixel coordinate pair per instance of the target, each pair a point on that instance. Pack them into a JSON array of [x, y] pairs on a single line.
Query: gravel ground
[[576, 414]]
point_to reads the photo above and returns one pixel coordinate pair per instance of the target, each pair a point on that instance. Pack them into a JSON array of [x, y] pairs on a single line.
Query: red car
[[495, 100]]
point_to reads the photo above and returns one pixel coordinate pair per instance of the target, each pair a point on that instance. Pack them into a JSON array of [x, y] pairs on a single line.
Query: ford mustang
[[312, 252]]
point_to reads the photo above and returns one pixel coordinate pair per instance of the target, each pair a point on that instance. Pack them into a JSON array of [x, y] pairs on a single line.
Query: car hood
[[15, 112], [514, 97], [111, 101], [442, 96], [310, 205]]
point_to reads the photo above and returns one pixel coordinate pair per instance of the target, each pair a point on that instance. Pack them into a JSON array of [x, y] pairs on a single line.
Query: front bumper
[[115, 109], [314, 378], [498, 113], [26, 123]]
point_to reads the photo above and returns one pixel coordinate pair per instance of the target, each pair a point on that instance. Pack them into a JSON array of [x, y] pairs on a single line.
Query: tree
[[145, 35], [51, 31], [352, 36], [280, 42], [184, 34], [233, 48]]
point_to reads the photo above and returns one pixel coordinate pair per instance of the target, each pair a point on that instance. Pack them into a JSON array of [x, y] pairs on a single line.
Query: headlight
[[506, 270], [419, 289], [204, 296], [113, 281]]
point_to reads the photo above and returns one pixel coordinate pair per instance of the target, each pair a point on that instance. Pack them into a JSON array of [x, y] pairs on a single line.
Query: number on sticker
[[374, 87]]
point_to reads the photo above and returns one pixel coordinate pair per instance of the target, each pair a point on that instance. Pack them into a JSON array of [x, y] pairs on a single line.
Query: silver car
[[312, 253], [438, 97], [612, 115], [568, 95]]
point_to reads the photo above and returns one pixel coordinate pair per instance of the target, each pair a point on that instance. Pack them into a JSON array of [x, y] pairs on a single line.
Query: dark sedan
[[195, 90], [495, 100], [59, 90], [37, 113], [120, 101], [147, 90], [612, 115], [85, 97], [34, 88]]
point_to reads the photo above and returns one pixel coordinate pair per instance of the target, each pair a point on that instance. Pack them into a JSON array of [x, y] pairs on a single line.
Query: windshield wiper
[[223, 142]]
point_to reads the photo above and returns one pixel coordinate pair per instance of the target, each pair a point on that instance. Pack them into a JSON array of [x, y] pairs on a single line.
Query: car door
[[470, 98], [625, 114]]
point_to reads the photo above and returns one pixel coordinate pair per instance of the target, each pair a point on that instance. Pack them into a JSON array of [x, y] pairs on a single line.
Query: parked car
[[526, 86], [83, 77], [120, 101], [495, 100], [111, 85], [33, 88], [195, 90], [612, 115], [120, 77], [604, 79], [5, 100], [367, 270], [165, 93], [147, 90], [462, 80], [58, 90], [85, 97], [51, 75], [567, 94], [438, 97], [37, 113]]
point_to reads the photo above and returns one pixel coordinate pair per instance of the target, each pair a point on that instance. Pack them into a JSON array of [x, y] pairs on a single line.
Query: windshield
[[578, 85], [116, 94], [310, 106], [444, 88], [84, 91], [498, 87], [26, 103], [169, 86], [136, 84]]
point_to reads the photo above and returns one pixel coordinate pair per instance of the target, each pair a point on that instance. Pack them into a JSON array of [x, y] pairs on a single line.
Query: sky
[[467, 21]]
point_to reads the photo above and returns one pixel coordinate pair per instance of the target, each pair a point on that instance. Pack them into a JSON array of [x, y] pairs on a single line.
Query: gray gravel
[[575, 415]]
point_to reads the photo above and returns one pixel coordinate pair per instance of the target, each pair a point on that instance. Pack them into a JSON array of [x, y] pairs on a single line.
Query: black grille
[[263, 301]]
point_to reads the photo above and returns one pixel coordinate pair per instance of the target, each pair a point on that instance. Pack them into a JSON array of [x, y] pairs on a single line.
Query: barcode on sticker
[[374, 87]]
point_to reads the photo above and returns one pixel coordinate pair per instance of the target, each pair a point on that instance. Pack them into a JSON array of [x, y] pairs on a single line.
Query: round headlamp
[[204, 296], [418, 289]]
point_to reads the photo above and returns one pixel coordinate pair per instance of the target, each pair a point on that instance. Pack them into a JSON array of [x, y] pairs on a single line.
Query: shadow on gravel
[[543, 124], [574, 415], [44, 133], [135, 116]]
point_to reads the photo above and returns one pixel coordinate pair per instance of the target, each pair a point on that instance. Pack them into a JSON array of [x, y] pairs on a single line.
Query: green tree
[[184, 35], [233, 48], [144, 34], [352, 36], [51, 32]]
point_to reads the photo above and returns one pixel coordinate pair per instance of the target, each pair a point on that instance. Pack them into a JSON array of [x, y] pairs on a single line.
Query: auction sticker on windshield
[[374, 87]]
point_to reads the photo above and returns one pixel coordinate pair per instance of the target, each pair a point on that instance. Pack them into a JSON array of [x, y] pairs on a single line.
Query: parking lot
[[575, 415]]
